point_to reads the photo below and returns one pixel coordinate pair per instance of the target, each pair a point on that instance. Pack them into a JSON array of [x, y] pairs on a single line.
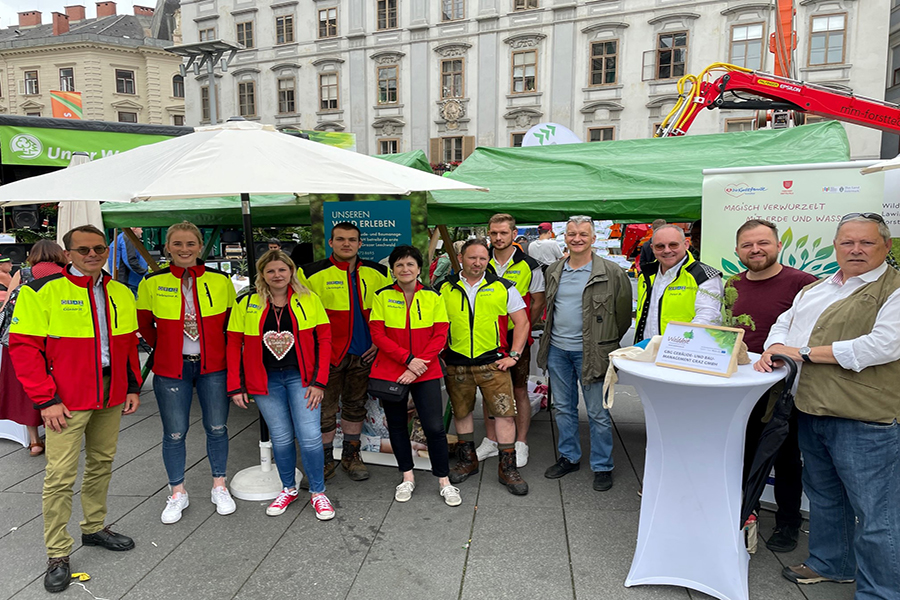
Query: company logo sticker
[[787, 184], [26, 146], [736, 190]]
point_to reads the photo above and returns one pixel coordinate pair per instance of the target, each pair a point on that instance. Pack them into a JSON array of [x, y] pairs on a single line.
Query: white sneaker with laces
[[404, 491], [221, 497], [451, 495], [174, 506], [487, 449], [521, 454]]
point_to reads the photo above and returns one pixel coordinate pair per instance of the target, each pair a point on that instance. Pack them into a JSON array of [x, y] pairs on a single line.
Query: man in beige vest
[[845, 333]]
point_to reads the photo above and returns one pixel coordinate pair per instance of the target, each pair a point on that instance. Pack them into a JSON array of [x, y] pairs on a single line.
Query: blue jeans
[[565, 374], [285, 412], [851, 472], [174, 396]]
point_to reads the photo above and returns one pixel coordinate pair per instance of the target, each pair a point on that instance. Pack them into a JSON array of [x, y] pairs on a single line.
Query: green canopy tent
[[415, 159], [626, 181]]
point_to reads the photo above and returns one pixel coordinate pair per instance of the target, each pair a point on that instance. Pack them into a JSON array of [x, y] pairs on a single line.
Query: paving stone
[[627, 407], [577, 488], [17, 509]]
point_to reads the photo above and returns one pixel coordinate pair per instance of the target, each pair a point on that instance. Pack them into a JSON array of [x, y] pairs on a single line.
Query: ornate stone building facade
[[447, 75]]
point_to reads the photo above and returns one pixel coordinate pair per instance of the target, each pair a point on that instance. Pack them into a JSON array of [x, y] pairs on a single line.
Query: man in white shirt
[[545, 249], [844, 331]]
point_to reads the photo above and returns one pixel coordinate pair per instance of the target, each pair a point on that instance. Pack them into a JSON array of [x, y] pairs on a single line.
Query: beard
[[768, 262]]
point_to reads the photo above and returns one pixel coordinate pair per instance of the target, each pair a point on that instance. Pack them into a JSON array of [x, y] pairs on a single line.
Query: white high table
[[689, 533]]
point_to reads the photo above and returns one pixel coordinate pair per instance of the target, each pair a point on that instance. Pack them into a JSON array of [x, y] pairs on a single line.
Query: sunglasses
[[865, 215], [85, 250]]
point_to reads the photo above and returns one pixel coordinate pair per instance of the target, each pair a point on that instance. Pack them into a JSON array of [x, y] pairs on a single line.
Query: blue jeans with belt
[[285, 412], [851, 474], [174, 397]]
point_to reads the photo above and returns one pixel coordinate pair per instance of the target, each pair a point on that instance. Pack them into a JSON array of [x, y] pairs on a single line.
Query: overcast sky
[[10, 9]]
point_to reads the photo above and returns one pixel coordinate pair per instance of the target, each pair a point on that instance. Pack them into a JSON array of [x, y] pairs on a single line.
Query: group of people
[[307, 343]]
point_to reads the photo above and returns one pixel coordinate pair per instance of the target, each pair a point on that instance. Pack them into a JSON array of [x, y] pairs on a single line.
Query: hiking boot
[[352, 462], [330, 463], [508, 473], [466, 462], [783, 539], [804, 575]]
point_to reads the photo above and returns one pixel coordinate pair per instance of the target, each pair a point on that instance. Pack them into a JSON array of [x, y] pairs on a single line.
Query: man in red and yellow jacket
[[347, 285], [73, 343]]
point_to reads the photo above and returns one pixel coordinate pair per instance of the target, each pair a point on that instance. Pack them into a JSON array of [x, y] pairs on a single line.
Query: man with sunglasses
[[676, 287], [844, 332], [74, 346]]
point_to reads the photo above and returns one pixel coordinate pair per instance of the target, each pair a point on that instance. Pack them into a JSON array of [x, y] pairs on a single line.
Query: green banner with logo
[[49, 147]]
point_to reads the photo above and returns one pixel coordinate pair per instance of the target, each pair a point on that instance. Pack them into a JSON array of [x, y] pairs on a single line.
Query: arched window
[[178, 86]]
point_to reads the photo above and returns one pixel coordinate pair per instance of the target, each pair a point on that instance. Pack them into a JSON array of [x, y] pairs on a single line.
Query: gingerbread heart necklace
[[278, 342]]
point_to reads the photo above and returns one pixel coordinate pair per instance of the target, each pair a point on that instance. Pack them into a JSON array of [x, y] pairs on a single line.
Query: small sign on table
[[700, 348]]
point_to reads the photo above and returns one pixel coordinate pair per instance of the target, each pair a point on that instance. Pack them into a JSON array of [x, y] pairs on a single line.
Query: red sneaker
[[322, 506], [280, 504]]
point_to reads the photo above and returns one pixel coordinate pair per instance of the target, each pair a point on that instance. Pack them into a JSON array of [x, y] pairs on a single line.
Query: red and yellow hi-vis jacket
[[54, 342], [330, 280], [312, 340], [404, 331], [160, 310]]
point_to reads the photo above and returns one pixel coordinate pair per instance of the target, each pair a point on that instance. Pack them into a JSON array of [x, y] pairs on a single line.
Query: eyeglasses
[[85, 250], [580, 219], [865, 215]]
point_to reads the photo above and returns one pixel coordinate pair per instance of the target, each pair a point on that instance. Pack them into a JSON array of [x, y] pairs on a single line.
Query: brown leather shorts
[[346, 392], [495, 385]]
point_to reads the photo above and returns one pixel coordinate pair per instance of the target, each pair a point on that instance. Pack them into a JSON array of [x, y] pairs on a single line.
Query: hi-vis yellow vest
[[677, 303], [477, 335]]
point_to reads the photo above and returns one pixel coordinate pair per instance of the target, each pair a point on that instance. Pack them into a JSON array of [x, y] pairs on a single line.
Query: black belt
[[191, 357], [107, 371]]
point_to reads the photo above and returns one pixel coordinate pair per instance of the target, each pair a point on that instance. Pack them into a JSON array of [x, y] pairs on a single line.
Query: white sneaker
[[221, 497], [404, 491], [487, 449], [521, 454], [174, 505], [451, 495]]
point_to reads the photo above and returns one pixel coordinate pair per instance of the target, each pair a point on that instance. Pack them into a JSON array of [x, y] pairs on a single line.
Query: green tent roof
[[267, 211], [415, 159], [628, 180]]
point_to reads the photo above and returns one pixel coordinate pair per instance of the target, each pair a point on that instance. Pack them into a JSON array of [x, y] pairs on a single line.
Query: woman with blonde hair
[[182, 314], [279, 349]]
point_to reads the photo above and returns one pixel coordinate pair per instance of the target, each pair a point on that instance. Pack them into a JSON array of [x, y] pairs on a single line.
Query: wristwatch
[[804, 354], [514, 355]]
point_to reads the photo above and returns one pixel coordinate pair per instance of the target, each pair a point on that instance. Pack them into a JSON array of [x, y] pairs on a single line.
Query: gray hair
[[578, 219], [664, 227], [883, 230]]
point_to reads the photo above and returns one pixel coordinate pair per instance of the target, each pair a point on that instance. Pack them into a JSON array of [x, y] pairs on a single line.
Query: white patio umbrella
[[237, 157], [885, 165]]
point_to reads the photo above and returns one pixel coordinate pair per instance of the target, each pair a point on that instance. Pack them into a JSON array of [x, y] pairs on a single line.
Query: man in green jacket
[[588, 312]]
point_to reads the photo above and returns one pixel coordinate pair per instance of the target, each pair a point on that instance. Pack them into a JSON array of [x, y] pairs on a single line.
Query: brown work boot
[[352, 462], [466, 462], [330, 464], [509, 474]]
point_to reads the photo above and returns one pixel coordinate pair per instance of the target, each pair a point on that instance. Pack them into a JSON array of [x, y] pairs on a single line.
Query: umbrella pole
[[260, 482]]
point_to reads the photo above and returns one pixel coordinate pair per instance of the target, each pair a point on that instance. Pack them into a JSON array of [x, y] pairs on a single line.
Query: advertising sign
[[384, 224], [805, 202], [66, 105], [700, 348]]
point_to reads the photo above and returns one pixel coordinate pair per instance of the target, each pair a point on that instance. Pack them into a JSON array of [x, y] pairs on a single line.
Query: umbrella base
[[255, 484]]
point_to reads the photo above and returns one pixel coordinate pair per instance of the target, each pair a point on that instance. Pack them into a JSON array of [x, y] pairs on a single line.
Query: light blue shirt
[[103, 322], [568, 322]]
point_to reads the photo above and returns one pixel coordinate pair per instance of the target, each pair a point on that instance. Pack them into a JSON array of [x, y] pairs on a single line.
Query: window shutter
[[468, 145], [648, 71], [434, 151], [21, 87]]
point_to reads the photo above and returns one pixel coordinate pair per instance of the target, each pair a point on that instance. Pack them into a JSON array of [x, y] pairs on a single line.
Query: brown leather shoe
[[509, 474], [351, 461], [466, 462], [804, 575]]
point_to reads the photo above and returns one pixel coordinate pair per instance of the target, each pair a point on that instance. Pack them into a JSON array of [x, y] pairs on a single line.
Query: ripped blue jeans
[[174, 397]]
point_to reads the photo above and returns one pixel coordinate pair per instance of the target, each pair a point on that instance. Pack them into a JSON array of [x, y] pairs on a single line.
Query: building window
[[732, 125], [124, 81], [328, 91], [247, 98], [389, 146], [387, 14], [67, 79], [515, 140], [896, 77], [452, 149], [524, 73], [453, 10], [178, 86], [387, 85], [604, 57], [284, 29], [452, 78], [207, 34], [204, 104], [327, 22], [671, 54], [245, 34], [601, 134], [286, 90], [127, 117], [178, 120], [32, 87], [746, 46], [524, 4], [826, 42]]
